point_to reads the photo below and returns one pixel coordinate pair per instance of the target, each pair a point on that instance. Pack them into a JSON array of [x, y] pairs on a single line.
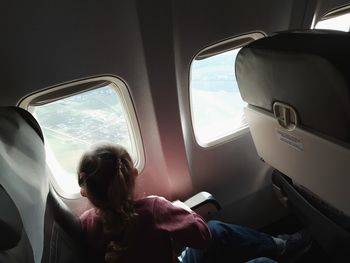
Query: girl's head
[[106, 176]]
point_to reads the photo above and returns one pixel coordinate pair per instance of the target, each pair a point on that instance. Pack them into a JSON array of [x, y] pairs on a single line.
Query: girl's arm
[[182, 224]]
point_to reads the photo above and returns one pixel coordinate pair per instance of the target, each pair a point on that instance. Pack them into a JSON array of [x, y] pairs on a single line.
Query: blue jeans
[[234, 243]]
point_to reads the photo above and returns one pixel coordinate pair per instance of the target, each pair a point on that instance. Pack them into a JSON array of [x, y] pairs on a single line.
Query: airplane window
[[72, 124], [216, 104], [340, 23]]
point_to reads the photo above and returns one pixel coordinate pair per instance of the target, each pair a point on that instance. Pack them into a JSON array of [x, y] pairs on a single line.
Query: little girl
[[121, 229]]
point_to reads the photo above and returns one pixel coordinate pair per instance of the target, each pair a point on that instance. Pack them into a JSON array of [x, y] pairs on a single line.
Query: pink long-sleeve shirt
[[159, 222]]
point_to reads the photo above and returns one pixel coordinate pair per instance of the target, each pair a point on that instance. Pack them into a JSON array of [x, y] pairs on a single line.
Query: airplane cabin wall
[[53, 42], [150, 45], [232, 170]]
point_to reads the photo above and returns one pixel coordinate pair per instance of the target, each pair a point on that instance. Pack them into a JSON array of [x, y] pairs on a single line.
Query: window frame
[[72, 89], [209, 51], [333, 13]]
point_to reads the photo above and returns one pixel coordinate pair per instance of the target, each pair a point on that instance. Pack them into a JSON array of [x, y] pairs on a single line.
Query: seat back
[[23, 172], [297, 86], [14, 243], [34, 217]]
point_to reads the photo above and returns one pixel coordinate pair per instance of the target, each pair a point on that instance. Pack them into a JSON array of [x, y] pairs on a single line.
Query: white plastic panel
[[319, 165]]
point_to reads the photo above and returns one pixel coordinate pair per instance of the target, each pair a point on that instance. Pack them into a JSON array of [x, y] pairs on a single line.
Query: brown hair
[[105, 172]]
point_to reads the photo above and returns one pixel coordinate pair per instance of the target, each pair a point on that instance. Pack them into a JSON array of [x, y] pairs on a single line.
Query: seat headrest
[[309, 70], [10, 222], [30, 120]]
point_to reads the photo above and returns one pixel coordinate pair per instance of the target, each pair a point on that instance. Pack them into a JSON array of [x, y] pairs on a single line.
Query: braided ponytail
[[107, 177]]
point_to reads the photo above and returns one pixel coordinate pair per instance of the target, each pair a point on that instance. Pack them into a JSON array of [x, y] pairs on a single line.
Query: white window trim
[[122, 91], [243, 129], [331, 14]]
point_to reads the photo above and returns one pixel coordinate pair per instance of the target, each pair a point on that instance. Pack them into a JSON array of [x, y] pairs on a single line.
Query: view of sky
[[217, 106]]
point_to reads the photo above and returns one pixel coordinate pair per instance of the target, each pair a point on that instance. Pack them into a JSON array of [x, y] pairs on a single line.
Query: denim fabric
[[233, 243], [262, 260]]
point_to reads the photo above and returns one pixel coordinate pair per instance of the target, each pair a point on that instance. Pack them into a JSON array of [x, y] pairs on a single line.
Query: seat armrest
[[204, 204]]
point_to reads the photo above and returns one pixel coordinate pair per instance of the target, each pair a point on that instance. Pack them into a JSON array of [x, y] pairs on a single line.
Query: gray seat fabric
[[308, 71], [10, 222], [23, 173], [14, 243], [36, 226], [64, 242]]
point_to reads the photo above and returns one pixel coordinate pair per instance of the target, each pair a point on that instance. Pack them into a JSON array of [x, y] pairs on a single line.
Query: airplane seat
[[63, 233], [14, 243], [204, 204], [35, 225], [297, 88]]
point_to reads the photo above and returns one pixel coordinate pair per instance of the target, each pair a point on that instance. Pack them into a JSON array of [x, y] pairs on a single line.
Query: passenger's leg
[[262, 260], [234, 243]]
